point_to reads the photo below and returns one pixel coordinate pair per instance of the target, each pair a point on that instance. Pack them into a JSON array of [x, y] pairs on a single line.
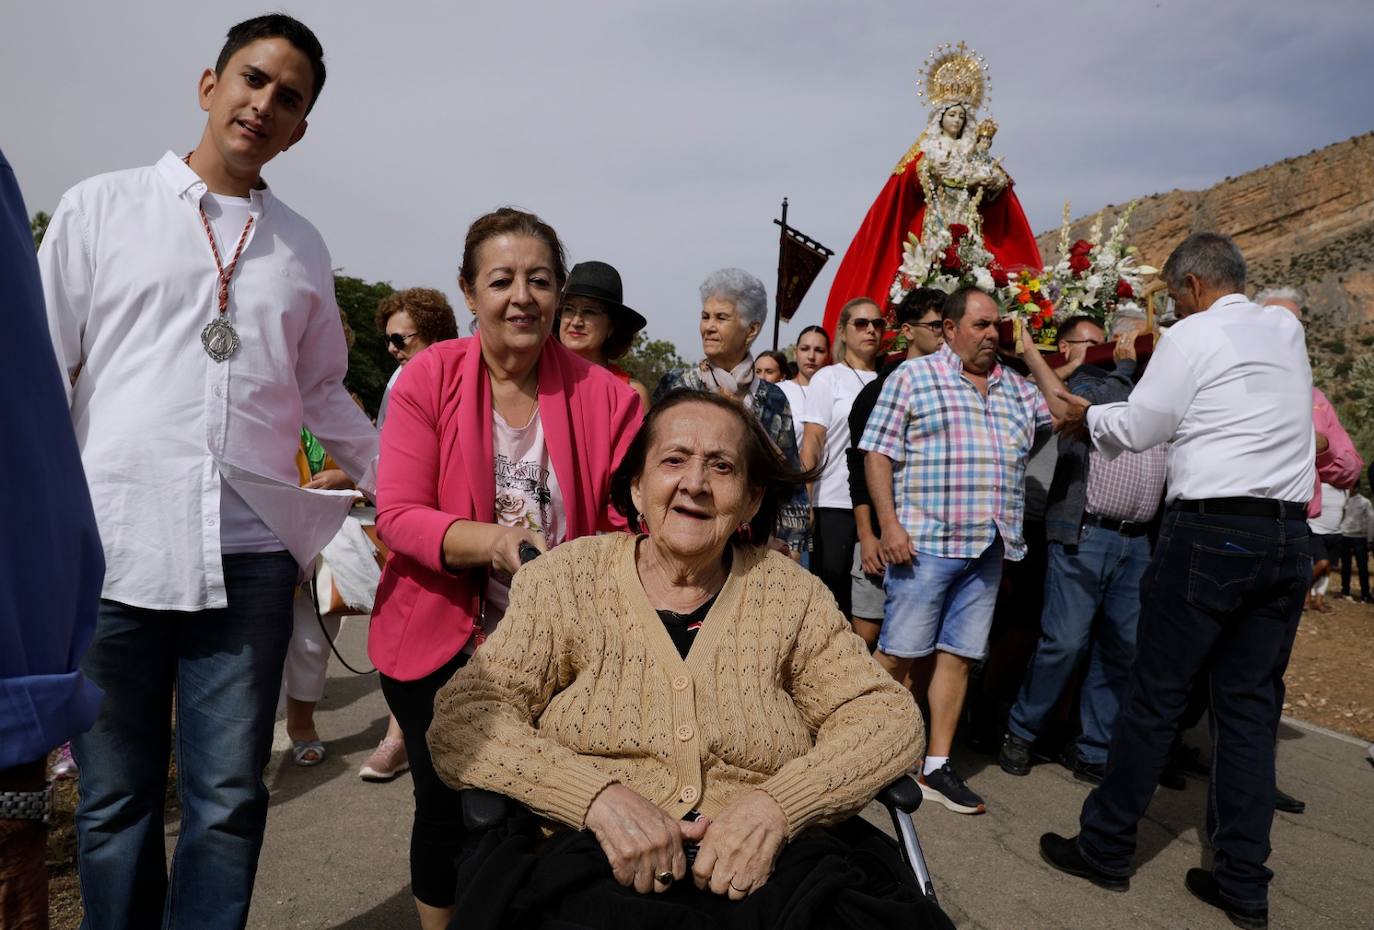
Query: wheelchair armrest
[[484, 810], [903, 794]]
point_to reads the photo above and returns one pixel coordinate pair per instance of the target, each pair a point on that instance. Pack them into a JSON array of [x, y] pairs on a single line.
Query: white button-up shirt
[[1231, 389], [130, 283]]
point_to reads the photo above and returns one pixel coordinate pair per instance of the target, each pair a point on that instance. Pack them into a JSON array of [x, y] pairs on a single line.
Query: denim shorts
[[865, 592], [937, 603]]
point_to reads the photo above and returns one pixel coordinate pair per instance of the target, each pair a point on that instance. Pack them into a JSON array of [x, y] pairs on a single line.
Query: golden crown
[[987, 128], [954, 74]]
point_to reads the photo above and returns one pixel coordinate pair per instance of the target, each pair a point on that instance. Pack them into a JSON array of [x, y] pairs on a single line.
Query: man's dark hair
[[276, 26], [1212, 258], [1066, 328], [765, 469], [957, 302], [917, 303]]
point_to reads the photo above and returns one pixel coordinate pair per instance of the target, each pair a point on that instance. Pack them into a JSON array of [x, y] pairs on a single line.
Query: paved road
[[335, 855]]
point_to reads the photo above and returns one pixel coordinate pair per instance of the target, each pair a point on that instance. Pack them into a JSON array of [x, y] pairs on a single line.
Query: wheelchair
[[486, 810]]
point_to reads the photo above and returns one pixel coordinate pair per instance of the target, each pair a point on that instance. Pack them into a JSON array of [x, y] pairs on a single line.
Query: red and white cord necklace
[[219, 337]]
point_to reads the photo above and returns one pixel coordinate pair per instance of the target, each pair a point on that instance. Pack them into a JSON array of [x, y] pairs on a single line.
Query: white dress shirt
[[130, 283], [1231, 389]]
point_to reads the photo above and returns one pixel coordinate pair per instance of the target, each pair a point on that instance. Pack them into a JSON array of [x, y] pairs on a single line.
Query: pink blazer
[[436, 467]]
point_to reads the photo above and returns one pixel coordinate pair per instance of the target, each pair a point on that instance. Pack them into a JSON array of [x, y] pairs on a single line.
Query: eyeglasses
[[1080, 342], [587, 313], [935, 326], [862, 323], [398, 340]]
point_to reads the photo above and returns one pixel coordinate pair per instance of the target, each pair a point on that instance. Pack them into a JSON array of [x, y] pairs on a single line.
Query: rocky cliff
[[1306, 221]]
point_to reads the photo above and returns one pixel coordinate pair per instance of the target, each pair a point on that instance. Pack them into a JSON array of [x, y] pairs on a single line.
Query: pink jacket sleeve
[[1340, 465], [626, 417], [409, 520]]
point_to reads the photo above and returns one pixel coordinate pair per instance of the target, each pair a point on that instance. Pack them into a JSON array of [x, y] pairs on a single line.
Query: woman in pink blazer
[[491, 442]]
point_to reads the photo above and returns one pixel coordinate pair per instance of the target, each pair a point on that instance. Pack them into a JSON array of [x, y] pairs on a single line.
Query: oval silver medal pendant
[[219, 339]]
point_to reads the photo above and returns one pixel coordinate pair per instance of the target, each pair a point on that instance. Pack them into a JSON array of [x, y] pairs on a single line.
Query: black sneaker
[[1062, 853], [1204, 887], [946, 787], [1014, 756], [1090, 772], [1283, 801]]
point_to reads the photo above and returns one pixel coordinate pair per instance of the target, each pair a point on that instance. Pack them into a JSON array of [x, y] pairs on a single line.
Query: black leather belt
[[1115, 526], [1244, 507]]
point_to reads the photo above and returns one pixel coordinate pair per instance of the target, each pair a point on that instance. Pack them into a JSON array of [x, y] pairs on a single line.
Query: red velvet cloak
[[872, 259]]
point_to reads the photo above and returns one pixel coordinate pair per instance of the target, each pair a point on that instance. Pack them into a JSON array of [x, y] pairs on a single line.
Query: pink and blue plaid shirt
[[959, 460]]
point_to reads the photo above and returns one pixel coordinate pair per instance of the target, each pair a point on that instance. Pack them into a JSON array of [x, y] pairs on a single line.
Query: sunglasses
[[398, 340], [862, 323]]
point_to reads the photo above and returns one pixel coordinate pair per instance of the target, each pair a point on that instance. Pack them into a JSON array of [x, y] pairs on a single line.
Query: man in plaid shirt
[[1096, 523], [946, 448]]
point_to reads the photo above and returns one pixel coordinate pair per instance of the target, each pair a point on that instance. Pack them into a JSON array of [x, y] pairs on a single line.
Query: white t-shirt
[[240, 528], [829, 398], [1328, 522], [796, 399], [527, 495]]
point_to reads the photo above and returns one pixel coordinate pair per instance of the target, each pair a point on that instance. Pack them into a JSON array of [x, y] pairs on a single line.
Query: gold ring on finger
[[664, 878]]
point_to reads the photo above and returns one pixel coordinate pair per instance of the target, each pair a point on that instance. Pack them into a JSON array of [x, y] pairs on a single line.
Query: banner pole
[[777, 296]]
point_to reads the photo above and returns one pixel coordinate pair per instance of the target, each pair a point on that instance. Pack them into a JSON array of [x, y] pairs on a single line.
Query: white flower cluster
[[1094, 289]]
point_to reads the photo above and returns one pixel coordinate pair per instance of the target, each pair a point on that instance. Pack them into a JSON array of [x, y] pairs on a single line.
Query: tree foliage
[[39, 225], [650, 359], [369, 364]]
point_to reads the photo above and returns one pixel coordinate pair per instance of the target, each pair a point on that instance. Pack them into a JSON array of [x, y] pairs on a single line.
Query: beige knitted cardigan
[[581, 686]]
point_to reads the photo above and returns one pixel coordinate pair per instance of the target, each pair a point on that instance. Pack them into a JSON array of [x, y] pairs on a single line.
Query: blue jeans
[[1102, 572], [1224, 594], [225, 667], [938, 603]]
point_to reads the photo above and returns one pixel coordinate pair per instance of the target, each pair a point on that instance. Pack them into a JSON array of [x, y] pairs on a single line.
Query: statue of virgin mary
[[947, 168]]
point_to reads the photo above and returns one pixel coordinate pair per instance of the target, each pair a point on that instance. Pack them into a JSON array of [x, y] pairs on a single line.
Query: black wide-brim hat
[[601, 281]]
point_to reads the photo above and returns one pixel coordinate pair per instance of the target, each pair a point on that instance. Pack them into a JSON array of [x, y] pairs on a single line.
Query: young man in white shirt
[[1230, 387], [193, 314]]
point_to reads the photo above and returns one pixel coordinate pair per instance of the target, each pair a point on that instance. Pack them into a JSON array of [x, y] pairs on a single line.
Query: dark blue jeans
[[225, 667], [1222, 595], [1102, 572]]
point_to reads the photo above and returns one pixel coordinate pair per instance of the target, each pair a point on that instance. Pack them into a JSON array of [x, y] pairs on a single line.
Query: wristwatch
[[26, 805]]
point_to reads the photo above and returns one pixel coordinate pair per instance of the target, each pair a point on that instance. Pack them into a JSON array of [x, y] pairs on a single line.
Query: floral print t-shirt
[[527, 496]]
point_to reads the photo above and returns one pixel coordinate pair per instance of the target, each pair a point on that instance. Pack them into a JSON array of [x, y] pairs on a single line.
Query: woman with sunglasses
[[594, 322], [829, 397], [412, 320]]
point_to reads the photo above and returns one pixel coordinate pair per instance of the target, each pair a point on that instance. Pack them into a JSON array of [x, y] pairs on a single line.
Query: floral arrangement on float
[[1093, 276]]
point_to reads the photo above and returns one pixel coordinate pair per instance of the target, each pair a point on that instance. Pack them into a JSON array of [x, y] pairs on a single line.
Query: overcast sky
[[661, 137]]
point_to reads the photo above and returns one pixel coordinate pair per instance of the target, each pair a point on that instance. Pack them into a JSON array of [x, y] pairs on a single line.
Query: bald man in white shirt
[[1229, 387], [193, 314]]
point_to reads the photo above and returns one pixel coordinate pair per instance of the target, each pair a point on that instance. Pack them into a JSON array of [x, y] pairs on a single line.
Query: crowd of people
[[692, 631]]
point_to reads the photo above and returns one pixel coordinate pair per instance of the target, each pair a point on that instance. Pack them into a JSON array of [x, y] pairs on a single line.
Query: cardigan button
[[688, 794], [685, 732], [680, 683]]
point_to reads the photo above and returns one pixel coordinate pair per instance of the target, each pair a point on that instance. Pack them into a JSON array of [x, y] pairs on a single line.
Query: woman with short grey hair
[[734, 307]]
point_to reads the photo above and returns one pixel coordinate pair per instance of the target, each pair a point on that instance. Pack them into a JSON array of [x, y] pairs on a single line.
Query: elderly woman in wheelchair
[[684, 715]]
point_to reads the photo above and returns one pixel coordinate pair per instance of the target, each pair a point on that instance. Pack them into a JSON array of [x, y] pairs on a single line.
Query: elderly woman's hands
[[737, 854], [640, 840]]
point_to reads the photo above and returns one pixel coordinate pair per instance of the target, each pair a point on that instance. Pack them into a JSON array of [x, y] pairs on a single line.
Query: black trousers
[[436, 835], [1354, 548], [832, 552], [1222, 597]]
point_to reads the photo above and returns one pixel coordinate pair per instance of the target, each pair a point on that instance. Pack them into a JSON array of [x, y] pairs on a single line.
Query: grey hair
[[1128, 316], [1212, 258], [1271, 294], [742, 289]]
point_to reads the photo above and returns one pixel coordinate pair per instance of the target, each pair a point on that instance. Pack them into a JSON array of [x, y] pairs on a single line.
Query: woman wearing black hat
[[594, 322]]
